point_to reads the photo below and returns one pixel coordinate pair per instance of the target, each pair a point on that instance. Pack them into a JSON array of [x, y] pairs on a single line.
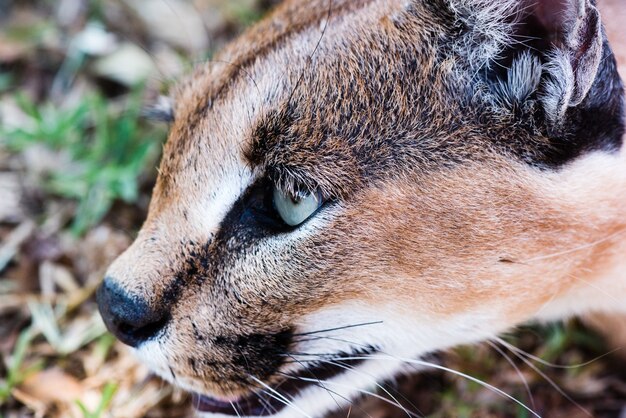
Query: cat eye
[[294, 210]]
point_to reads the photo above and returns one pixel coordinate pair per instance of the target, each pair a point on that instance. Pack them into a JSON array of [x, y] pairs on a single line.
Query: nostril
[[130, 318], [139, 333]]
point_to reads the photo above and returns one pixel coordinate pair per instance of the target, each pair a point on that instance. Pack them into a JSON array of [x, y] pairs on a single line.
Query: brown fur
[[434, 205]]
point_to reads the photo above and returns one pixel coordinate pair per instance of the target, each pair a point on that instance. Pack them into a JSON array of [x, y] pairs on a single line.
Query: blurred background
[[77, 163]]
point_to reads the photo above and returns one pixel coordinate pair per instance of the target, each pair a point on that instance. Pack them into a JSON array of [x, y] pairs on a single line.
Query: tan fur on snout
[[441, 218]]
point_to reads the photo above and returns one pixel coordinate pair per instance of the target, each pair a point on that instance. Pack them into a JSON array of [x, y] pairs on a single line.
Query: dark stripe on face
[[251, 219]]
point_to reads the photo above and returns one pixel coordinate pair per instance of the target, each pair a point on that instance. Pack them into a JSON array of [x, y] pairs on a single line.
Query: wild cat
[[353, 184]]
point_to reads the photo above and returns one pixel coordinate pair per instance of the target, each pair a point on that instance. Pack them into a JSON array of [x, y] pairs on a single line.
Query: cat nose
[[128, 316]]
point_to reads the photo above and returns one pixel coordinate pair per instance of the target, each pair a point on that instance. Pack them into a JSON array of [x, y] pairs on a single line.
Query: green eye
[[295, 210]]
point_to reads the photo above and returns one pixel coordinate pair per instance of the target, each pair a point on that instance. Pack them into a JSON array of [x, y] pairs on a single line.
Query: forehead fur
[[359, 89], [327, 94]]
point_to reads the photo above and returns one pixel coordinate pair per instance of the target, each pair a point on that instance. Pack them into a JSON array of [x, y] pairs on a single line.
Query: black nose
[[128, 316]]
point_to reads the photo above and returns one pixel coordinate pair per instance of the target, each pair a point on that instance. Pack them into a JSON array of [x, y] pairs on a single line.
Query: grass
[[108, 151], [46, 320], [17, 372], [107, 396]]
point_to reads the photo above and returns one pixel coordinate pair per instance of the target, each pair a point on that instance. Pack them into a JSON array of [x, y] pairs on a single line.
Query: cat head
[[354, 183]]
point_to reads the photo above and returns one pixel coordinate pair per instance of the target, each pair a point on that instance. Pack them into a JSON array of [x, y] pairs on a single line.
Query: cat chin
[[317, 398]]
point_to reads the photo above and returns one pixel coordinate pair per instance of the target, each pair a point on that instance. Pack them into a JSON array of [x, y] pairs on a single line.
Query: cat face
[[355, 183]]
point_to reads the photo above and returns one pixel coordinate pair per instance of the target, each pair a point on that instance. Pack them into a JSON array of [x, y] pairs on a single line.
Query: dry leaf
[[128, 65], [52, 386]]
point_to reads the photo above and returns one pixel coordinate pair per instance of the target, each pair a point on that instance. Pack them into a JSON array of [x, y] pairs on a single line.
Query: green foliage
[[31, 33], [6, 81], [107, 397], [16, 372], [243, 12], [557, 337], [103, 346], [49, 125], [522, 412], [107, 151], [46, 320]]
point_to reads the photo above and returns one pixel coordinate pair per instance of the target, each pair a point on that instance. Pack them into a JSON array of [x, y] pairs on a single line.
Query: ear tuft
[[522, 81], [572, 65], [486, 27], [162, 110], [548, 66], [565, 35]]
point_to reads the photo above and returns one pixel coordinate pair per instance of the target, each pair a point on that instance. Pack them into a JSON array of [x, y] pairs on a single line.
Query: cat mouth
[[271, 400]]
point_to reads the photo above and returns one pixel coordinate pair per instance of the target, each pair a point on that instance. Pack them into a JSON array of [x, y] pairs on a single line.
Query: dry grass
[[66, 211]]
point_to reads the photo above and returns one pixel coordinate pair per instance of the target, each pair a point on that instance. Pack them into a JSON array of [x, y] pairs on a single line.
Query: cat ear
[[161, 110], [571, 36]]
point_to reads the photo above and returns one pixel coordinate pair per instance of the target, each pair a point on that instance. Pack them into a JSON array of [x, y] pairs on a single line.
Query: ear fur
[[161, 110], [566, 36], [546, 63], [572, 64]]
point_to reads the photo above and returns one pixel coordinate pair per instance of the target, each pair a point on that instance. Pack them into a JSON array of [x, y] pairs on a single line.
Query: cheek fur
[[502, 235]]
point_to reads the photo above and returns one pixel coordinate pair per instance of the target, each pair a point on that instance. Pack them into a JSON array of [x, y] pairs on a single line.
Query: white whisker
[[575, 249], [278, 396], [266, 405], [446, 369], [551, 383], [320, 382], [547, 363], [234, 408], [381, 387], [517, 370], [363, 391]]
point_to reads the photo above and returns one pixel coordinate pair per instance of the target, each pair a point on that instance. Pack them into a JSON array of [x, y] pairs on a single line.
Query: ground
[[77, 162]]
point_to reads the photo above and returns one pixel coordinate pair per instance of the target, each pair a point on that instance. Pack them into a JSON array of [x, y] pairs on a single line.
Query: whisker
[[576, 249], [596, 287], [306, 340], [248, 75], [381, 387], [431, 365], [266, 405], [338, 328], [552, 383], [553, 365], [351, 403], [347, 367], [363, 391], [234, 408], [313, 381], [320, 382], [284, 400], [317, 45], [244, 358], [278, 396], [517, 370], [449, 370], [299, 353], [180, 19]]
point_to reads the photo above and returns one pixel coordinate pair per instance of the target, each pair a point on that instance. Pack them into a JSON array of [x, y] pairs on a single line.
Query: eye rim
[[300, 196], [259, 214]]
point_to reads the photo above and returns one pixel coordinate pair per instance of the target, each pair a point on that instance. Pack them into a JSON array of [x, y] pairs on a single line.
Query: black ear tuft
[[162, 110]]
